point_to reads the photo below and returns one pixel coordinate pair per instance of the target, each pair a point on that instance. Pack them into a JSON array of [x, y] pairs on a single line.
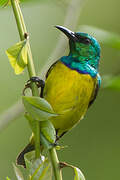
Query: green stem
[[31, 70], [55, 164], [14, 4]]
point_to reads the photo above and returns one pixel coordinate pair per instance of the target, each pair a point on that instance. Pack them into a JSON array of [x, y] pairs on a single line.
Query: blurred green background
[[93, 145]]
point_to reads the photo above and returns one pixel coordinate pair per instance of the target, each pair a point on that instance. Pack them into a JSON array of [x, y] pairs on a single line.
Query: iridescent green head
[[84, 51]]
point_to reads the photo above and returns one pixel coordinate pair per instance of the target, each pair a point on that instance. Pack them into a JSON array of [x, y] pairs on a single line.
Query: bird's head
[[83, 47]]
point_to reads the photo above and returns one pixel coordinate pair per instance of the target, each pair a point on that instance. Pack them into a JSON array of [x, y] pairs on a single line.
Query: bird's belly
[[69, 93]]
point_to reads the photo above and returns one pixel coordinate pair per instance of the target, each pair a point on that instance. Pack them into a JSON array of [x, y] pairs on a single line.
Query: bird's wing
[[51, 67], [95, 92]]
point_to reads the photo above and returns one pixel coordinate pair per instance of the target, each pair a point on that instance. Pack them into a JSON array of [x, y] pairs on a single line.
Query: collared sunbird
[[71, 83]]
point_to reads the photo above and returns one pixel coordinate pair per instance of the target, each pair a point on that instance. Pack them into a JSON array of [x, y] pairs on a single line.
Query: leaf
[[29, 159], [17, 56], [47, 136], [18, 173], [31, 122], [39, 103], [78, 174], [48, 130], [39, 169], [38, 108], [3, 2], [45, 142], [111, 82], [43, 170], [108, 38]]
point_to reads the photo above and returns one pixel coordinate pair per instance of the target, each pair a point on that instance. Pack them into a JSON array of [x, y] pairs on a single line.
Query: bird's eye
[[83, 39], [86, 41]]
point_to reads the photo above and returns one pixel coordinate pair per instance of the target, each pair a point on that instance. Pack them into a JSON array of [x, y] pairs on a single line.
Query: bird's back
[[69, 93]]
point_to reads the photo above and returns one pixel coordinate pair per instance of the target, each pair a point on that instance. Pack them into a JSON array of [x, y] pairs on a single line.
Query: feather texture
[[69, 92]]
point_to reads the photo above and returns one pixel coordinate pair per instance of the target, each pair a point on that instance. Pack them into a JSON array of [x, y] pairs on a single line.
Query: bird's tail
[[20, 159]]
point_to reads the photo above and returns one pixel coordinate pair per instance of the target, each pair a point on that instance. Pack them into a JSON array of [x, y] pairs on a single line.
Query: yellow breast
[[69, 93]]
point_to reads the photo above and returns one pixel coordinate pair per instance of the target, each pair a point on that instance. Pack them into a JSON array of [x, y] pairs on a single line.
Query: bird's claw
[[27, 85], [39, 82]]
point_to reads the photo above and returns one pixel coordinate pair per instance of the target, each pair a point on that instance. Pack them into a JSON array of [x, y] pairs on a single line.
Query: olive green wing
[[95, 92], [50, 69]]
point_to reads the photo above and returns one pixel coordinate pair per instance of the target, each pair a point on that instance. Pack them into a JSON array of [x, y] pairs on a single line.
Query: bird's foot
[[39, 82], [27, 85]]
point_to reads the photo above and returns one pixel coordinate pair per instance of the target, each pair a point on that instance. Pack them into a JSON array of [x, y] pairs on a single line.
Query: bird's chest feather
[[66, 89]]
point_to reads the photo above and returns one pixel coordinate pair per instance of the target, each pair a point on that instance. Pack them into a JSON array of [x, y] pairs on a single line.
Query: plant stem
[[31, 70], [55, 164]]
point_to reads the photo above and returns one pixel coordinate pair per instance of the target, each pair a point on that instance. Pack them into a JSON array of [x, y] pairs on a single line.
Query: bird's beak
[[67, 32]]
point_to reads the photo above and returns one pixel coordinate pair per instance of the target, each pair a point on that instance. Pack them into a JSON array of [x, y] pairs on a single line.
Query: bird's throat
[[82, 67]]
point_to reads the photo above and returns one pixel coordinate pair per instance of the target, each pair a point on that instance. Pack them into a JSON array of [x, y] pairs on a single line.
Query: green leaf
[[39, 169], [29, 159], [31, 122], [48, 130], [78, 174], [3, 2], [111, 82], [108, 38], [45, 142], [43, 170], [18, 173], [47, 136], [17, 55], [38, 108], [39, 103]]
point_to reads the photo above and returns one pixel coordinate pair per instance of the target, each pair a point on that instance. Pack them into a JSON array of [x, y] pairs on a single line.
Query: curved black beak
[[70, 34]]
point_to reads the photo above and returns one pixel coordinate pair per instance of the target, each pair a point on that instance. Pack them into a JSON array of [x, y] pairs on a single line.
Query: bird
[[72, 82]]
